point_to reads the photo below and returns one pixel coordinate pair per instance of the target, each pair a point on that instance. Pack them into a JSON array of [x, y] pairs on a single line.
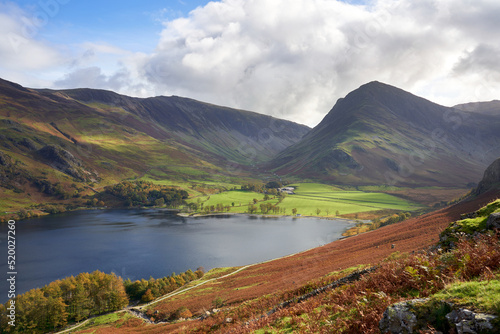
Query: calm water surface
[[138, 244]]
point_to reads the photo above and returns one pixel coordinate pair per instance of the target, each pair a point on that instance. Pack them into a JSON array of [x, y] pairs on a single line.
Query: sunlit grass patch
[[483, 296]]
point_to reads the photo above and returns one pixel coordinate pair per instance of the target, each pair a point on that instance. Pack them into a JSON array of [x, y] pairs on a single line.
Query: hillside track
[[290, 273]]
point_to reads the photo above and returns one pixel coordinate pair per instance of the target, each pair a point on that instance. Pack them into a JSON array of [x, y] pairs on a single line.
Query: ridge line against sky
[[292, 60]]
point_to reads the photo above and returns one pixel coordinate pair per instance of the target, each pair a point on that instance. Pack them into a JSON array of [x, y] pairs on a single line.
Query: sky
[[288, 59]]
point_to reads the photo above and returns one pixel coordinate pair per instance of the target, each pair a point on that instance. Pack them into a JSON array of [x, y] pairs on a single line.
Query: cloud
[[19, 48], [295, 59]]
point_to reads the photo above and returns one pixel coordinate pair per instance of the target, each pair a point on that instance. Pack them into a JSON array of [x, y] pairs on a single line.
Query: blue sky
[[289, 59], [132, 24]]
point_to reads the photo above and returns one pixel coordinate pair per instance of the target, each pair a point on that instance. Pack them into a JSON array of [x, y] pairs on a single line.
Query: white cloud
[[294, 59], [19, 49]]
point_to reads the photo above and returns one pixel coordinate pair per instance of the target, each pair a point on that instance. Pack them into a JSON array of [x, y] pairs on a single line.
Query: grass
[[116, 318], [241, 199], [469, 225], [483, 296], [310, 196]]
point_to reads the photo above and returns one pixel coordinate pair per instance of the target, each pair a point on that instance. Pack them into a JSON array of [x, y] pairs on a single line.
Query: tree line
[[144, 193], [73, 299], [148, 290]]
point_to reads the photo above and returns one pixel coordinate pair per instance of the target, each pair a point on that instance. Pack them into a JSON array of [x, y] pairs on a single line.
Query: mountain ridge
[[56, 144]]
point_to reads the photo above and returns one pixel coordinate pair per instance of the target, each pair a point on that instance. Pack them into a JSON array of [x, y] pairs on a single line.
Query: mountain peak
[[382, 134]]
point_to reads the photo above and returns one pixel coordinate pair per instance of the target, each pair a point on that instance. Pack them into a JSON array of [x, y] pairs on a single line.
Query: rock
[[491, 177], [5, 160], [468, 215], [468, 322], [393, 246], [229, 320], [493, 221], [416, 315], [399, 319], [28, 143], [61, 159]]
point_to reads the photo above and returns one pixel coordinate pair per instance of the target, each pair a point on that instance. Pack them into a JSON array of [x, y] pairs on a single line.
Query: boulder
[[493, 221], [399, 318], [467, 322], [416, 315]]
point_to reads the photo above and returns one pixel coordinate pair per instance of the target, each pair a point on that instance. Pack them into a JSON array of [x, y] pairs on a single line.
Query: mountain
[[235, 135], [491, 178], [84, 137], [379, 134], [487, 108]]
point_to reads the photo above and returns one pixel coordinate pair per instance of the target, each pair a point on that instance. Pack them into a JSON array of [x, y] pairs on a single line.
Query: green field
[[241, 200], [309, 197]]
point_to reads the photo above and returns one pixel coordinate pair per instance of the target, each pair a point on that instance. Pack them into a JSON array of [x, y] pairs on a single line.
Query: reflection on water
[[138, 244]]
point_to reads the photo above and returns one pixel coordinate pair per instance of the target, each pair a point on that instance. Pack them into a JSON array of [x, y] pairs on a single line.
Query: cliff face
[[491, 178]]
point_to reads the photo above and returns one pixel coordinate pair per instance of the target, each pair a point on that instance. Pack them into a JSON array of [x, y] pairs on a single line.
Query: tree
[[294, 211], [147, 296], [273, 184], [263, 208], [337, 213], [318, 211], [255, 200], [252, 208]]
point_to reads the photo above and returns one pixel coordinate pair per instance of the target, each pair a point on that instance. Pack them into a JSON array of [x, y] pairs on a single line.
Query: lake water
[[138, 244]]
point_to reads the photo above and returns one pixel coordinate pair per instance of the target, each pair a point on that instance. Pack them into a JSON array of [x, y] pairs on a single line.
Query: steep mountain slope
[[379, 134], [237, 135], [491, 178], [77, 137]]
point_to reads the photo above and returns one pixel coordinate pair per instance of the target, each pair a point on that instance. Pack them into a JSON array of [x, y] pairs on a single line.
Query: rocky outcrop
[[491, 177], [466, 321], [5, 160], [399, 318], [28, 143], [493, 221], [417, 315], [61, 159]]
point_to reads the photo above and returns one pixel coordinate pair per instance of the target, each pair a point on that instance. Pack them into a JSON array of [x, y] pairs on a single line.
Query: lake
[[138, 244]]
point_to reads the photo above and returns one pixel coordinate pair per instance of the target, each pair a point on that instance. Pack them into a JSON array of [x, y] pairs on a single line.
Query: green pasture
[[241, 199], [308, 198]]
